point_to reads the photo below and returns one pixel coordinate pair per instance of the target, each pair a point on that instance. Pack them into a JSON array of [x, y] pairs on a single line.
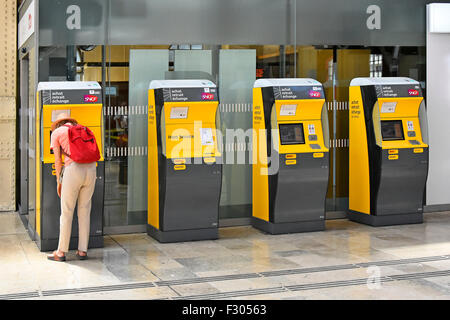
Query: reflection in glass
[[392, 130], [292, 133]]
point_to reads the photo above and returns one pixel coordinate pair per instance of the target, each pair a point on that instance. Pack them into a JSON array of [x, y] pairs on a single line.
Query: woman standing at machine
[[75, 185]]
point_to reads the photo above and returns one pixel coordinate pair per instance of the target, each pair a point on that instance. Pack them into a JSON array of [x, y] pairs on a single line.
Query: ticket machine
[[83, 102], [290, 155], [184, 162], [388, 155]]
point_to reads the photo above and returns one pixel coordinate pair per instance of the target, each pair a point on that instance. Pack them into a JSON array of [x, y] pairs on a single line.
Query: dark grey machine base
[[183, 235], [288, 227], [386, 220], [52, 244]]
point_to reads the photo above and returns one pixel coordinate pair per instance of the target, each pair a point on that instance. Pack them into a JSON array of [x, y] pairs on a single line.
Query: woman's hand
[[58, 188]]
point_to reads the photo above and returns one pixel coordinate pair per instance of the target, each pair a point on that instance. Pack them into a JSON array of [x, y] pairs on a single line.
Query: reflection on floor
[[348, 261]]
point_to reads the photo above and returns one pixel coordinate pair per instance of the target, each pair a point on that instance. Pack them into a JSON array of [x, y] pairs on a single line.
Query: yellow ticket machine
[[290, 155], [388, 155], [83, 102], [184, 162]]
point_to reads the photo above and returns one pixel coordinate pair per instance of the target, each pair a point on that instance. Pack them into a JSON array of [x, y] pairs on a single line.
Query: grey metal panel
[[191, 197], [339, 22], [162, 21], [402, 183], [183, 235], [32, 109], [23, 123], [301, 189], [199, 21], [385, 220], [53, 18], [344, 22], [234, 222], [288, 227], [51, 208]]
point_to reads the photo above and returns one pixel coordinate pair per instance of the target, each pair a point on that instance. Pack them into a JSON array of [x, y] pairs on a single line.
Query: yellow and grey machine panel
[[184, 162], [388, 154], [83, 102], [290, 155]]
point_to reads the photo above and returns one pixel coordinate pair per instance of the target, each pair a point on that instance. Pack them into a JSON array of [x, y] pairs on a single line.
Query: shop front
[[125, 45]]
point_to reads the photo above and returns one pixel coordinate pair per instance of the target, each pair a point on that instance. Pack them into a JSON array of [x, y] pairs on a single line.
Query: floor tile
[[132, 258]]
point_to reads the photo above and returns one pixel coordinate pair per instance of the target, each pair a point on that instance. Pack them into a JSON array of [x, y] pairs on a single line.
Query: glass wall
[[125, 46], [335, 67], [128, 71], [125, 72]]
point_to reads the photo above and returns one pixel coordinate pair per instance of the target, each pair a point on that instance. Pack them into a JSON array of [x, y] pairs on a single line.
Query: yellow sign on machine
[[184, 161], [388, 154], [290, 155]]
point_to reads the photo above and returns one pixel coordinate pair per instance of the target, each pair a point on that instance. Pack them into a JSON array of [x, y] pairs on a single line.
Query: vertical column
[[8, 70], [438, 101]]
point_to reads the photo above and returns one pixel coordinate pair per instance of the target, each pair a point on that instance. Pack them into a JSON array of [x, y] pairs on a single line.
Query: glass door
[[23, 137], [127, 73], [348, 64], [335, 68]]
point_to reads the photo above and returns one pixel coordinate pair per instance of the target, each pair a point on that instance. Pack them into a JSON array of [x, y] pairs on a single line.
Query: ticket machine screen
[[392, 130], [292, 133]]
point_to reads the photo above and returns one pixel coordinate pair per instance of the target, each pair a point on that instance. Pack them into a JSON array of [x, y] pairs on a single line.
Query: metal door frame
[[24, 133]]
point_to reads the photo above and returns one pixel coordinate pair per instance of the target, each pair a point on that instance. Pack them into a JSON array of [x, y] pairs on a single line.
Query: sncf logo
[[314, 94], [413, 92], [30, 21], [207, 96], [90, 98]]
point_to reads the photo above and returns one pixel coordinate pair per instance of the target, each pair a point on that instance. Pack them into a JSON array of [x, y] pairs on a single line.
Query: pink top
[[60, 138]]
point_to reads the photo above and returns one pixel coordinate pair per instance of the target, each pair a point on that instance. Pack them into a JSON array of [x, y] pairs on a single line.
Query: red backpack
[[83, 146]]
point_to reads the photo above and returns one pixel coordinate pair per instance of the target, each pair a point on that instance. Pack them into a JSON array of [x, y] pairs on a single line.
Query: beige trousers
[[78, 186]]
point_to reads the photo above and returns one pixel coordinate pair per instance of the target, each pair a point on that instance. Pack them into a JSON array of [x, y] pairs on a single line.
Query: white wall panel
[[438, 109]]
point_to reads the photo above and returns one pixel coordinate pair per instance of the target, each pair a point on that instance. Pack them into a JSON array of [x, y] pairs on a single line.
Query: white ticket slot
[[288, 110], [388, 107], [56, 113], [179, 112]]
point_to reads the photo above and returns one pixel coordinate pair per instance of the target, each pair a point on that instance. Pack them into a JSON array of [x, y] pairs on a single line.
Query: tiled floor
[[240, 265]]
